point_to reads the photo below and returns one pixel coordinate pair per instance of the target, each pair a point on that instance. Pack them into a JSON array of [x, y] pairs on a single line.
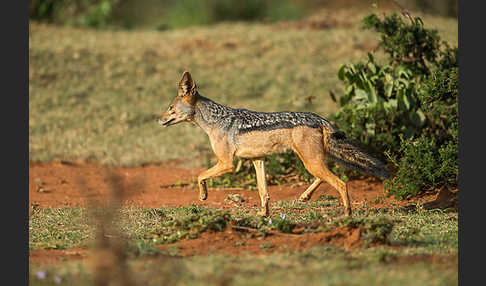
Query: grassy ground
[[411, 233], [421, 230], [94, 95]]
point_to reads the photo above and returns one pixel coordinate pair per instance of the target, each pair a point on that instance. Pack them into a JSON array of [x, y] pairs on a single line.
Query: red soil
[[71, 184], [235, 242]]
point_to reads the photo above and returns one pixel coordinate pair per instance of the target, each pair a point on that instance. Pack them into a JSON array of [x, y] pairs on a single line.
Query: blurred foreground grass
[[95, 95], [423, 248]]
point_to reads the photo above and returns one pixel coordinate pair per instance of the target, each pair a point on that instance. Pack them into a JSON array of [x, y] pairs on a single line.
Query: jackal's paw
[[348, 212], [303, 198], [203, 190], [263, 212], [203, 196]]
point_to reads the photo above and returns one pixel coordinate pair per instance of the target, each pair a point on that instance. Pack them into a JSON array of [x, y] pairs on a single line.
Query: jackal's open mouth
[[167, 122]]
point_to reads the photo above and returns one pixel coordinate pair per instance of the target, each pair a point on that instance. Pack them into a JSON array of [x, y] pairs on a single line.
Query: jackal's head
[[182, 106]]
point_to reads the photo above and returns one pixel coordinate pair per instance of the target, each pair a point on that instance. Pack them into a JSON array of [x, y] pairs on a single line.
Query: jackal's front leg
[[219, 169], [262, 186]]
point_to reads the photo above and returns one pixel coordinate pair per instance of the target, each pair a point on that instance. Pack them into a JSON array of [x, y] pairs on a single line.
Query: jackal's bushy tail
[[343, 151]]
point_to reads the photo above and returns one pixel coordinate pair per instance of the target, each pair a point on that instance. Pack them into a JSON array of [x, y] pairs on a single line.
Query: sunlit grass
[[423, 251]]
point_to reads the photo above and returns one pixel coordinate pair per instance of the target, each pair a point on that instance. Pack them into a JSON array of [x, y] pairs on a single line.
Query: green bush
[[381, 101], [87, 13], [407, 106], [431, 161]]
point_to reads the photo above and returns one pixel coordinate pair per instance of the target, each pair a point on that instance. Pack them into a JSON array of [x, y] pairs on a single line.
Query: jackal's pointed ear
[[187, 86]]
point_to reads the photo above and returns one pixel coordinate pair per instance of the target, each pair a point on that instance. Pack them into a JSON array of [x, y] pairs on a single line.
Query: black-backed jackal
[[253, 135]]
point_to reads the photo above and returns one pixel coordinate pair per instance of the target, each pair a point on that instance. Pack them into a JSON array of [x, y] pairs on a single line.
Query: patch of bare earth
[[237, 242], [61, 183], [57, 256]]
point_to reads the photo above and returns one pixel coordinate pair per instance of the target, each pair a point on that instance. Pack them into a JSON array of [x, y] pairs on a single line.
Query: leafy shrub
[[379, 104], [406, 106], [431, 161], [381, 101]]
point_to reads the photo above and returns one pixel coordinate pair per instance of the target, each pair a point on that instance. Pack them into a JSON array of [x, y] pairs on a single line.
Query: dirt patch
[[57, 256], [236, 242], [232, 241], [61, 183]]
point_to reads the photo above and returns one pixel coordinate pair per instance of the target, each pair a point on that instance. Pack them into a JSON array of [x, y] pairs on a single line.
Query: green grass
[[94, 95], [421, 231], [59, 228], [423, 246]]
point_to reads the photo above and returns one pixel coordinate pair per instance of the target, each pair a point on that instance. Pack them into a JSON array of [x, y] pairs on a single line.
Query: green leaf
[[410, 98], [393, 103], [402, 72], [350, 76], [360, 94], [419, 21], [388, 89], [370, 128], [341, 71], [349, 89], [406, 101], [400, 100], [420, 117], [404, 82], [371, 58], [371, 67], [374, 79], [371, 92]]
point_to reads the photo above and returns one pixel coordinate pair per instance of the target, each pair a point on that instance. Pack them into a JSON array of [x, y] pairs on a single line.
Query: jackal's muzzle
[[165, 123]]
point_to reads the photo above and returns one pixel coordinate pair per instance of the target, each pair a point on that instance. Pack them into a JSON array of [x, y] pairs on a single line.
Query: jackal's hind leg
[[307, 194], [309, 146], [326, 175], [262, 186], [219, 169], [319, 169]]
